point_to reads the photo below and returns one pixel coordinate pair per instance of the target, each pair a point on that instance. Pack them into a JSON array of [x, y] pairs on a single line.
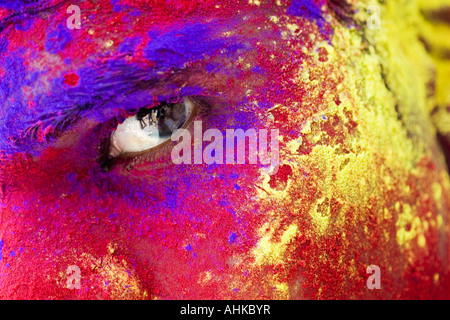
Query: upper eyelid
[[57, 122]]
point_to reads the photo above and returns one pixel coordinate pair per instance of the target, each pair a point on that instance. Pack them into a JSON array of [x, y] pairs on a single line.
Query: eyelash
[[51, 126], [132, 160]]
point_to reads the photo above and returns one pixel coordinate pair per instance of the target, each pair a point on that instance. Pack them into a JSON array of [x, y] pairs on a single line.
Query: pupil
[[166, 117]]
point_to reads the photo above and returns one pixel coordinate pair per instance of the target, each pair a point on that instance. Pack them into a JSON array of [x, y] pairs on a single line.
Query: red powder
[[71, 79], [282, 176], [323, 54]]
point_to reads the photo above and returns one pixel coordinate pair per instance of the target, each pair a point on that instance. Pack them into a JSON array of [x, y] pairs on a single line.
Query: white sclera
[[130, 137]]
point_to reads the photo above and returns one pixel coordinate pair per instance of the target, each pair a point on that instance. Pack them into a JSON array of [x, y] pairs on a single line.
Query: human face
[[360, 181]]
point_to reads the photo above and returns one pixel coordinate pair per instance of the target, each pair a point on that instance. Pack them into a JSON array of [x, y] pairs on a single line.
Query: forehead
[[152, 35]]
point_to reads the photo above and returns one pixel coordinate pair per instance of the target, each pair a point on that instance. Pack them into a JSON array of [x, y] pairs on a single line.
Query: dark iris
[[145, 111], [168, 117]]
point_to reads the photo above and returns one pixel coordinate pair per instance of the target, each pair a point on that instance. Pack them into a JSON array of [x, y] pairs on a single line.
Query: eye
[[150, 128]]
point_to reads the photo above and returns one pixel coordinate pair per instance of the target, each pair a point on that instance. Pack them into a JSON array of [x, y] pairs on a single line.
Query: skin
[[362, 178]]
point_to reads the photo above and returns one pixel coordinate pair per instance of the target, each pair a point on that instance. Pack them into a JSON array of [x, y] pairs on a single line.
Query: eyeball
[[150, 127]]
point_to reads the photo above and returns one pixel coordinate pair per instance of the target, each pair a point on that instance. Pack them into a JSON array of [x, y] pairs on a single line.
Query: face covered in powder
[[359, 178]]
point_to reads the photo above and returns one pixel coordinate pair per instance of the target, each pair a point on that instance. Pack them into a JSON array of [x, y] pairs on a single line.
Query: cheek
[[167, 202]]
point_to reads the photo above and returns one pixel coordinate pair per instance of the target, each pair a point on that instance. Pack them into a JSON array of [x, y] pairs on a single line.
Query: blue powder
[[171, 198], [210, 67], [189, 91], [72, 177], [1, 249], [14, 5], [129, 44], [258, 70], [23, 25], [178, 47], [232, 238], [305, 8], [57, 39]]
